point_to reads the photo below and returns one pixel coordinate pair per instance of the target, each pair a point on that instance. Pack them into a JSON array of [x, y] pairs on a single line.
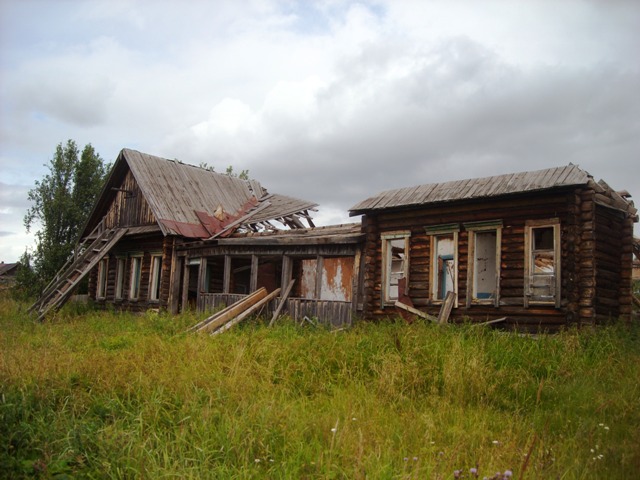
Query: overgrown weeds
[[103, 394]]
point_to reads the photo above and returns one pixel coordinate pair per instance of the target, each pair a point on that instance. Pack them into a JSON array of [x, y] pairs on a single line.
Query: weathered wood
[[447, 305], [216, 321], [282, 302], [490, 322], [249, 311], [415, 311]]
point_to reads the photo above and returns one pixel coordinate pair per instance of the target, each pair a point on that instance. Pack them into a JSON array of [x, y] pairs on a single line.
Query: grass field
[[106, 395]]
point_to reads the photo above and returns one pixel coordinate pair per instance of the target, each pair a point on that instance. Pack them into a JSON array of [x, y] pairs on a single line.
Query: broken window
[[156, 275], [483, 280], [103, 266], [542, 266], [444, 261], [395, 264]]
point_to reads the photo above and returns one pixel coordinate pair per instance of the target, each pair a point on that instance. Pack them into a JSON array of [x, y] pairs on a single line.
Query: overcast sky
[[330, 101]]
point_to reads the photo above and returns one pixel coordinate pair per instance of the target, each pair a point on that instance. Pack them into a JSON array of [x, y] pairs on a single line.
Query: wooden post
[[226, 281], [202, 276], [253, 283], [287, 270], [174, 282], [283, 299], [185, 285]]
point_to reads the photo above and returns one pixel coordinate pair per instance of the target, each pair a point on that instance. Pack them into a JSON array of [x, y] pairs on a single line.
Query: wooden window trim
[[434, 233], [474, 228], [135, 259], [385, 238], [155, 278], [103, 278], [530, 225], [120, 276]]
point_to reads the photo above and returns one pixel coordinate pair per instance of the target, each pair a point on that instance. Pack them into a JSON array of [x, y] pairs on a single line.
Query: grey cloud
[[462, 113]]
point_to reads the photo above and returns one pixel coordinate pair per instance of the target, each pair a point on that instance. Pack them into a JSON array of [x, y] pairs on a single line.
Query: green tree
[[61, 203]]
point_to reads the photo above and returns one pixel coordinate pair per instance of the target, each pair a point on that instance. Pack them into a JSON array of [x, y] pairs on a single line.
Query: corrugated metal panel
[[475, 188]]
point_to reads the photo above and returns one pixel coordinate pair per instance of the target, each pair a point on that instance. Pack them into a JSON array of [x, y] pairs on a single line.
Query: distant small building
[[8, 273]]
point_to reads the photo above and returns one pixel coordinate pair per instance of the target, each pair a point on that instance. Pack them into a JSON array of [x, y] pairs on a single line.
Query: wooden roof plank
[[475, 188]]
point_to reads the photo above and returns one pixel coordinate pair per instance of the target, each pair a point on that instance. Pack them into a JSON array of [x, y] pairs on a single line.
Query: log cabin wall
[[573, 207], [144, 248], [613, 260]]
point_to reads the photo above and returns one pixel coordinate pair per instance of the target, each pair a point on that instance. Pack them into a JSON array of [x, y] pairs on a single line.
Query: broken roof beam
[[229, 228]]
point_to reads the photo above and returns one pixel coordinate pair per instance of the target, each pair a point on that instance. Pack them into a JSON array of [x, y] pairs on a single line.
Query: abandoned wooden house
[[542, 249], [133, 244], [536, 250]]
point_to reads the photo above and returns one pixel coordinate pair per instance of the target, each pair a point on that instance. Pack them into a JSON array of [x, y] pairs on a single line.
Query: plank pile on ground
[[228, 317]]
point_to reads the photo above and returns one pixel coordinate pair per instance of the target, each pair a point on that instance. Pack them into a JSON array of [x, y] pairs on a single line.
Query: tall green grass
[[108, 395]]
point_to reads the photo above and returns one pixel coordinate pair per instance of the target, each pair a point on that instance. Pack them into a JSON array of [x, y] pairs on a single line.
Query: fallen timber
[[218, 319]]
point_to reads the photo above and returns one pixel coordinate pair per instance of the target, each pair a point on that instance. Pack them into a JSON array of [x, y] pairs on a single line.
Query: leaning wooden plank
[[283, 299], [497, 320], [247, 312], [415, 311], [447, 305], [405, 299], [221, 312], [234, 312]]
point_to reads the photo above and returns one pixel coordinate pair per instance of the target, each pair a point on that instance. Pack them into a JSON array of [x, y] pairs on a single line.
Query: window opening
[[102, 279], [136, 271], [444, 266], [542, 267], [395, 252], [485, 265], [120, 278], [156, 276]]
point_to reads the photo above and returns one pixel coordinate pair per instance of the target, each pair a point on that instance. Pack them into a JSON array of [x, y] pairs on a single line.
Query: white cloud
[[330, 101]]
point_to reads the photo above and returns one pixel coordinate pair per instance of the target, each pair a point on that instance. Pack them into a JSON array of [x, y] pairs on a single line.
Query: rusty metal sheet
[[337, 276]]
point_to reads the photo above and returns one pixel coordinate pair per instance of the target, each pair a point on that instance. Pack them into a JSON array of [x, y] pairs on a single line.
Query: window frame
[[135, 277], [386, 271], [435, 232], [473, 228], [155, 277], [103, 276], [530, 226], [121, 265]]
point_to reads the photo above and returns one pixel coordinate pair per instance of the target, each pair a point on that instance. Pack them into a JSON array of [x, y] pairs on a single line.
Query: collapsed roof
[[197, 203]]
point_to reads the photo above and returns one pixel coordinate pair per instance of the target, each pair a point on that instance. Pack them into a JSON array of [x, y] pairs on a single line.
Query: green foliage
[[114, 395], [61, 203], [243, 175]]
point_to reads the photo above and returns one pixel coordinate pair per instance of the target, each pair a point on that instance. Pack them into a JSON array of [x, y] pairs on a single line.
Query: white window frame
[[135, 279], [473, 228], [529, 298], [103, 273], [120, 269], [387, 270], [155, 277], [435, 233]]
